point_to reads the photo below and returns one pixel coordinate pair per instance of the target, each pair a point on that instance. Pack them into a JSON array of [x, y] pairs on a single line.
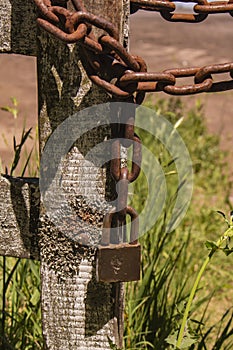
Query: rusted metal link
[[99, 22], [186, 89], [53, 13], [206, 71], [132, 77], [127, 131], [71, 23], [141, 62], [156, 5], [122, 191], [189, 89], [182, 72], [214, 7], [126, 120], [140, 95], [113, 44], [74, 37], [147, 82], [137, 159], [92, 45], [44, 6], [183, 17], [115, 166], [124, 131], [111, 88], [122, 122], [96, 67], [104, 84]]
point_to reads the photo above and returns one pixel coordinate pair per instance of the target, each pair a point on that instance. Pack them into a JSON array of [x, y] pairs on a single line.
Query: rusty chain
[[107, 60], [125, 77], [123, 135]]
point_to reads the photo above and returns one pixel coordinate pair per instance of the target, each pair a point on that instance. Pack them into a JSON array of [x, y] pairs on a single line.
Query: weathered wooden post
[[78, 312]]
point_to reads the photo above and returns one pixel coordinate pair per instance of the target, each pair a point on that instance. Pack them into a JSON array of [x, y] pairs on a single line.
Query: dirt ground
[[162, 44]]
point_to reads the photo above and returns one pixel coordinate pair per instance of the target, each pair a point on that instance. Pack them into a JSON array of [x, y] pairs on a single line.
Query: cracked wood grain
[[19, 214]]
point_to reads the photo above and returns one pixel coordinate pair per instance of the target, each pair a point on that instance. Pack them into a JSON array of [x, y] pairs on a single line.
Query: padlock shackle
[[107, 224]]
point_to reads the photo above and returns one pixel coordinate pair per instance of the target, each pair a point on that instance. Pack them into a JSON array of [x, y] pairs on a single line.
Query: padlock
[[119, 262]]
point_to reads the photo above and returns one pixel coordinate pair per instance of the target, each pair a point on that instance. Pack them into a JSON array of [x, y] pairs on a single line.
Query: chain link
[[116, 169], [201, 10]]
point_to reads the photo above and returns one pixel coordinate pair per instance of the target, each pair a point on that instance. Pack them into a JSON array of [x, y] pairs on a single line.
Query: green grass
[[22, 321]]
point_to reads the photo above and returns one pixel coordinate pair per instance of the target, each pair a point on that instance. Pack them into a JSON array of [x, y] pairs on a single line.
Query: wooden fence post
[[78, 312]]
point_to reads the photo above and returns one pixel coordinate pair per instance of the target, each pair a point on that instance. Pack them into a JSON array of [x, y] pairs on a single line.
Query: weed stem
[[190, 300], [218, 244]]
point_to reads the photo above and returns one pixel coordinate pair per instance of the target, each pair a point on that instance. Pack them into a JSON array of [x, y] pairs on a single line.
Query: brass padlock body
[[118, 263]]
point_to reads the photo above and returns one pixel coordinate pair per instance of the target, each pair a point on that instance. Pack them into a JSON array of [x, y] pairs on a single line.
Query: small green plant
[[185, 339], [12, 110]]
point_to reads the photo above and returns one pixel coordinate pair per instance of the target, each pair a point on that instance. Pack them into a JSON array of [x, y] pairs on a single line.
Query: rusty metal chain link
[[201, 10]]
